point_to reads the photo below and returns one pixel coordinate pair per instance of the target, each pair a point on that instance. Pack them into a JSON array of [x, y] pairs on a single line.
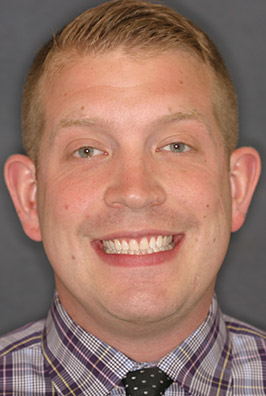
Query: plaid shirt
[[57, 357]]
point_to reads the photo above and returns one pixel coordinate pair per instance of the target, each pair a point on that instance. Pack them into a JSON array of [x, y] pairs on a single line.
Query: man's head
[[134, 199], [139, 29]]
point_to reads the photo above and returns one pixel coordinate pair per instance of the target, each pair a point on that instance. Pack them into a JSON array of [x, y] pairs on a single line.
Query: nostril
[[135, 197], [134, 184]]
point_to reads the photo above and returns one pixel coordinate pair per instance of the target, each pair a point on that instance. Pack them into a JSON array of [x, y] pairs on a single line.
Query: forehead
[[119, 87], [167, 71], [120, 58]]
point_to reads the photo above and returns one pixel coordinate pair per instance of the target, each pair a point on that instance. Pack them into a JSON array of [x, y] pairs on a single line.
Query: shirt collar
[[202, 363], [80, 363]]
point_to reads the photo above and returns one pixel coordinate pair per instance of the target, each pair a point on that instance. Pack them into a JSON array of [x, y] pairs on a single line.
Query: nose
[[135, 185]]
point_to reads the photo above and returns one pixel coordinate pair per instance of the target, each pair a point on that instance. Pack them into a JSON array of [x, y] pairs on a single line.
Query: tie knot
[[146, 382]]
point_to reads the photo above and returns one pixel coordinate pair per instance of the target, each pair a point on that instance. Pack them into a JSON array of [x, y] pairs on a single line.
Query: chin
[[143, 309]]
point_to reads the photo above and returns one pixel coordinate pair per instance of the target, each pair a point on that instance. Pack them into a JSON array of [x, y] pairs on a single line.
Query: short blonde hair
[[137, 27]]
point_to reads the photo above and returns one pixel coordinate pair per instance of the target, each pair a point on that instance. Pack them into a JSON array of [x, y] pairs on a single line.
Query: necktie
[[150, 381]]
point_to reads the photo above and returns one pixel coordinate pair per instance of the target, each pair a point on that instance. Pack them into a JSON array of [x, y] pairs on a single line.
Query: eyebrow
[[68, 122], [192, 115]]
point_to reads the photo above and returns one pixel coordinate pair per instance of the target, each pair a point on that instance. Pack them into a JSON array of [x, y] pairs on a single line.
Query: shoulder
[[243, 334], [22, 368], [248, 354], [21, 339]]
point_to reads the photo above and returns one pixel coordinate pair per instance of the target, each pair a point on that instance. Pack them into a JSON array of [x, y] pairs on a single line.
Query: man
[[133, 183]]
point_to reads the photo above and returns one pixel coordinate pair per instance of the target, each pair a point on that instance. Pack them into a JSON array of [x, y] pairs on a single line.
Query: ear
[[245, 168], [20, 177]]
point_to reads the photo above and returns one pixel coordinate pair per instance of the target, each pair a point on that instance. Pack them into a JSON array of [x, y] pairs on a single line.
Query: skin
[[133, 186]]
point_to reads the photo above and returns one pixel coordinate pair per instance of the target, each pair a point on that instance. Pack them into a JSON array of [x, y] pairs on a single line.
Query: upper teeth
[[144, 246]]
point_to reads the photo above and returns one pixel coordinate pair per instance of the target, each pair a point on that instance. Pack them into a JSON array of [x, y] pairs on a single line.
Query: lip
[[134, 234], [123, 260]]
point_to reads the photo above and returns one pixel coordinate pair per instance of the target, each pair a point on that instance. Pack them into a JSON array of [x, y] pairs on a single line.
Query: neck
[[142, 341], [150, 342]]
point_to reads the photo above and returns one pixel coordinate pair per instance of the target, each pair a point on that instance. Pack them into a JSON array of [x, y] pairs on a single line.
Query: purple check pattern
[[57, 357]]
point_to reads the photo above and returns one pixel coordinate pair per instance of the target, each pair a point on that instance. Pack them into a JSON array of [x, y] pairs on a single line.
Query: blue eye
[[87, 152], [176, 147]]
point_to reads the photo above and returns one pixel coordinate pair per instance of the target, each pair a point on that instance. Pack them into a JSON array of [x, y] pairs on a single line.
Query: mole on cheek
[[181, 82], [73, 257], [82, 108], [66, 207]]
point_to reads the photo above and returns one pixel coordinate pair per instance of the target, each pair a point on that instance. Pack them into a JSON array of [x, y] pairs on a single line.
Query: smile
[[146, 245]]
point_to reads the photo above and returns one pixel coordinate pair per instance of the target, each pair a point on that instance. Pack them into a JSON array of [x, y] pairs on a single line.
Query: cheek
[[68, 199], [203, 191], [204, 195]]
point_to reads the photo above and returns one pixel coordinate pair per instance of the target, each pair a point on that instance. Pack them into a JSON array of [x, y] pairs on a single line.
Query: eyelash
[[178, 146], [88, 152]]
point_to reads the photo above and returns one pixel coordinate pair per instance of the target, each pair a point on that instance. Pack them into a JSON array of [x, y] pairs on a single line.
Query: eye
[[87, 152], [176, 147]]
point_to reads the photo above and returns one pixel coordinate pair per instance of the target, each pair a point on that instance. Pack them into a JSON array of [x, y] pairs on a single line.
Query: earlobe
[[21, 182], [245, 168]]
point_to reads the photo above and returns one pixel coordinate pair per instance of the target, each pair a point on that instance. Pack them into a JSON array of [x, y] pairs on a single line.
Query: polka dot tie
[[150, 381]]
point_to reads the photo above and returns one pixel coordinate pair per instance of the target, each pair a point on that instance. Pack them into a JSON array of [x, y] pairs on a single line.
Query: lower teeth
[[140, 252]]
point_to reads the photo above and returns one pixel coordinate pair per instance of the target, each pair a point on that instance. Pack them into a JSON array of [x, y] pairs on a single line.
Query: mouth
[[138, 249], [139, 246]]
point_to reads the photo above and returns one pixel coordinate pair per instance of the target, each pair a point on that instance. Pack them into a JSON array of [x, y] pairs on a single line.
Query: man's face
[[132, 159]]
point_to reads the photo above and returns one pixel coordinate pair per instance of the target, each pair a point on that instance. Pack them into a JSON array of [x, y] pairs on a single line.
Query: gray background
[[239, 29]]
